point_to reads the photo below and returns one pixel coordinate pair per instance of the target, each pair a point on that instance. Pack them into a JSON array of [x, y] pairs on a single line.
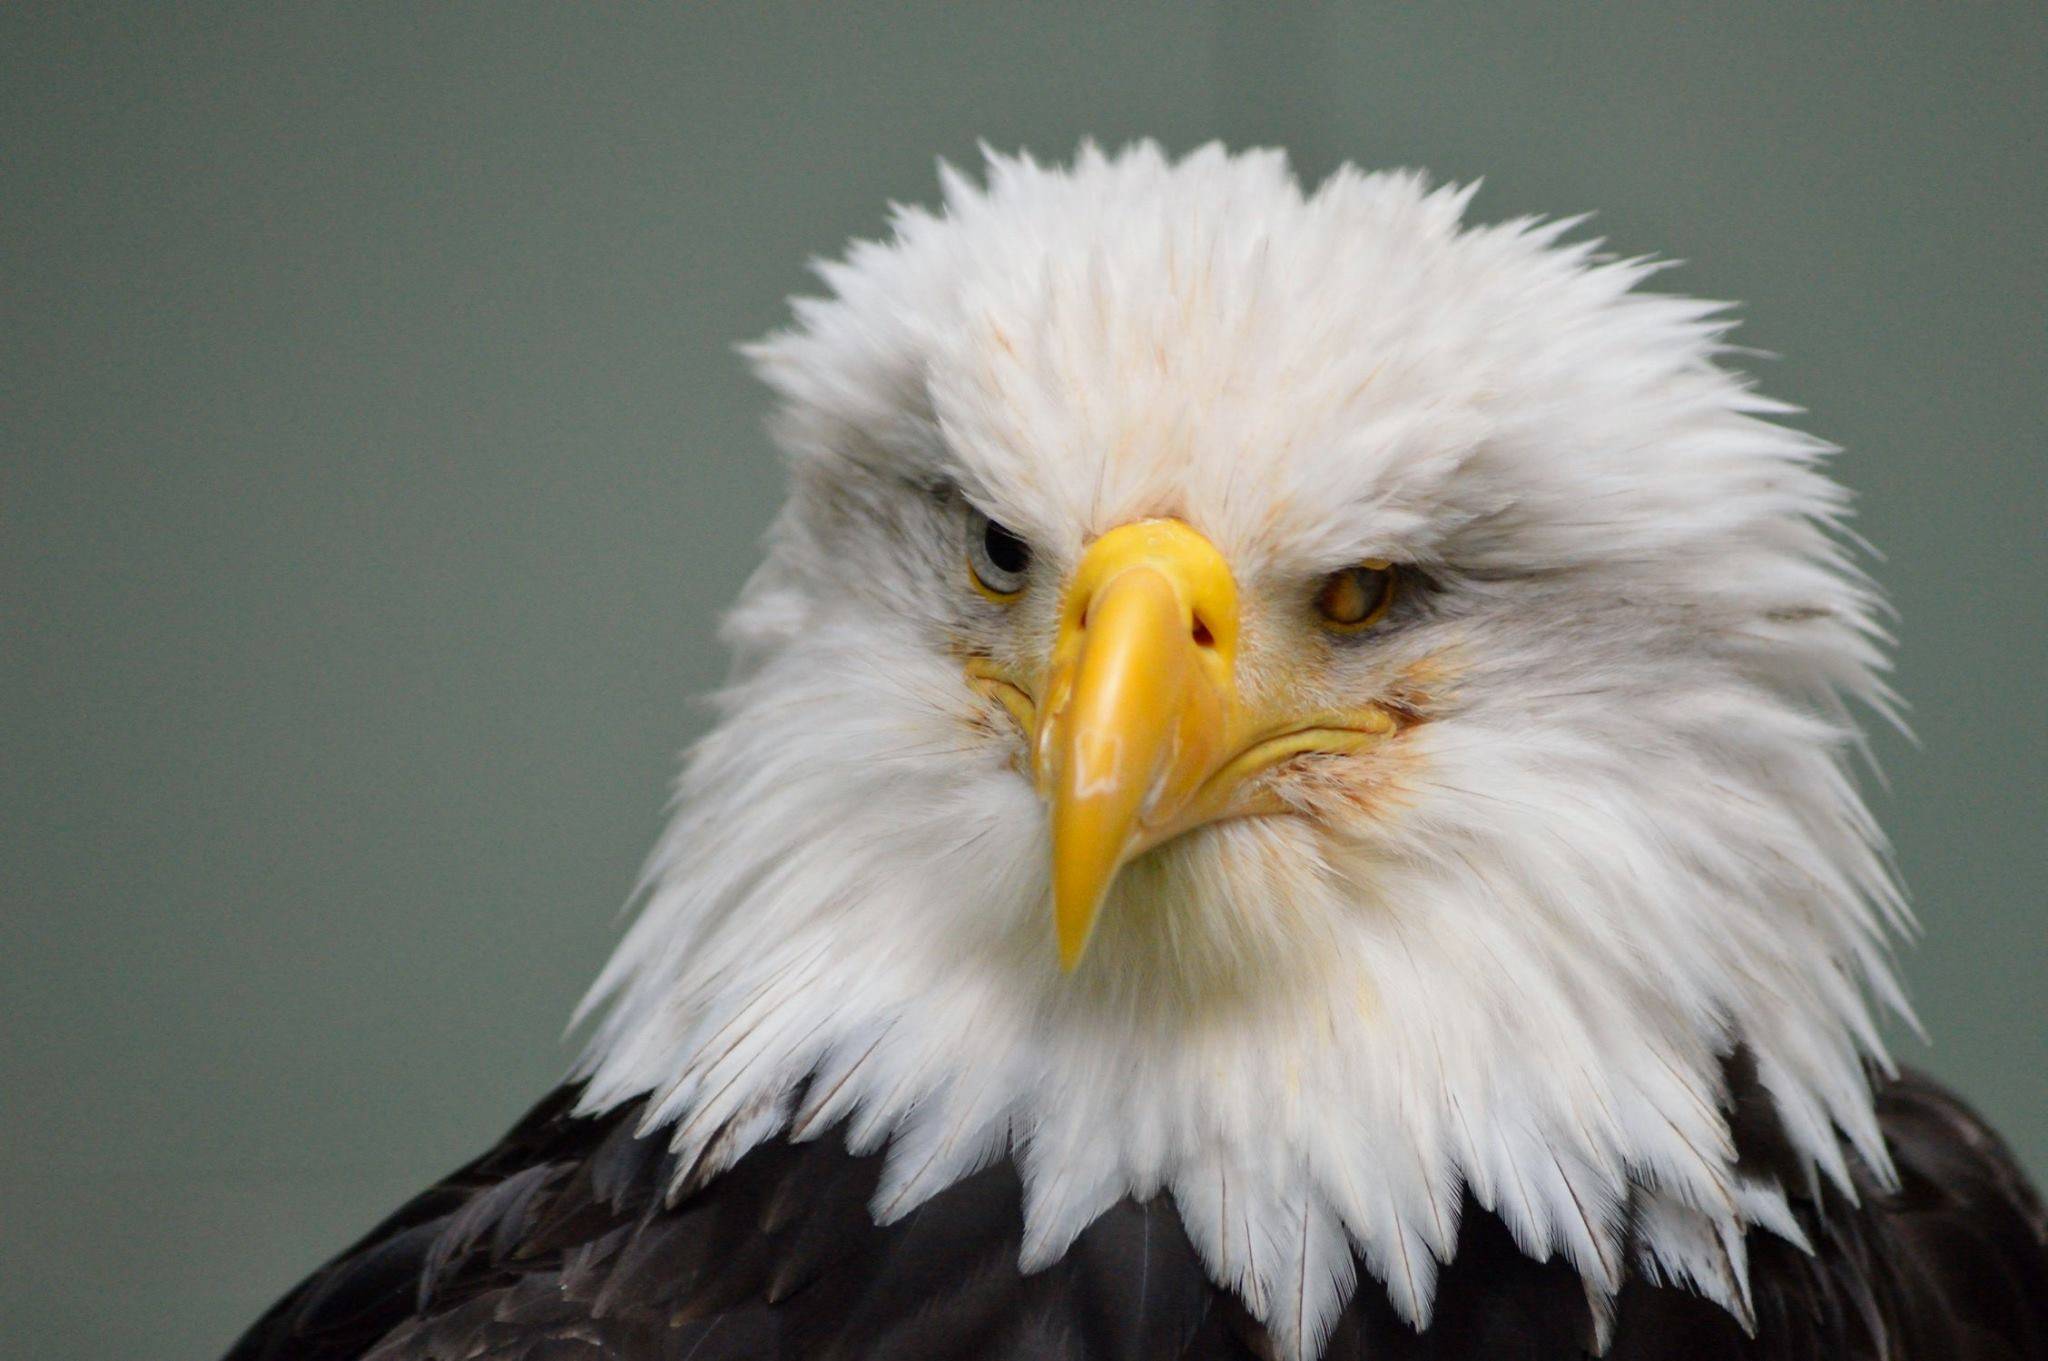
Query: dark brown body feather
[[557, 1245]]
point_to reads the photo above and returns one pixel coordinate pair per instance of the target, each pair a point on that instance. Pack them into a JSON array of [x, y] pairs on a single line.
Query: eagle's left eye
[[996, 557], [1354, 598]]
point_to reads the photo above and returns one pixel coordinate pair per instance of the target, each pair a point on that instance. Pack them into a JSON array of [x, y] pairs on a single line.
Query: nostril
[[1203, 638]]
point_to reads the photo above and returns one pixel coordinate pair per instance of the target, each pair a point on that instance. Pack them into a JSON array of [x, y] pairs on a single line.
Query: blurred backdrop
[[376, 464]]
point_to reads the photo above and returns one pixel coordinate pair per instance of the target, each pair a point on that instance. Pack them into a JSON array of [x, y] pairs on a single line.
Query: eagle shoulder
[[564, 1241]]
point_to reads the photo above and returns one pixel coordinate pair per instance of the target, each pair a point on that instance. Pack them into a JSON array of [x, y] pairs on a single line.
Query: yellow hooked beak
[[1139, 733]]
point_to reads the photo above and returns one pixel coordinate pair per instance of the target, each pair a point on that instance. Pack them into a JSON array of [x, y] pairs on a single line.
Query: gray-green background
[[375, 465]]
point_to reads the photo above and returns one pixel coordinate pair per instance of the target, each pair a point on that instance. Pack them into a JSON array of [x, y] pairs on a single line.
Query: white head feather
[[1503, 952]]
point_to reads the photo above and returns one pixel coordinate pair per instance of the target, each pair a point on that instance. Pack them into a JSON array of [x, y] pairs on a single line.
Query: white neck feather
[[1525, 994]]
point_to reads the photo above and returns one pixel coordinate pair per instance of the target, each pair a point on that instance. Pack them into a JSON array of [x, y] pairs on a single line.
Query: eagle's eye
[[1354, 598], [996, 557]]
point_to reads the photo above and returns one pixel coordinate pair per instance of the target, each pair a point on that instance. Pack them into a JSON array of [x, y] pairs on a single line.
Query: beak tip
[[1072, 931]]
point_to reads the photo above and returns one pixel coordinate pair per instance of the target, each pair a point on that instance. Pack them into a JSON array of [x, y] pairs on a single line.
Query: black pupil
[[1006, 552]]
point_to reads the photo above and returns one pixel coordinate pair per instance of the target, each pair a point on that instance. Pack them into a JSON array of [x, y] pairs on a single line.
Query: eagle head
[[1286, 700]]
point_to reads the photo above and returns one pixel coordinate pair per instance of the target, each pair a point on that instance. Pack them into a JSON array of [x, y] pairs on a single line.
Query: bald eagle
[[1283, 794]]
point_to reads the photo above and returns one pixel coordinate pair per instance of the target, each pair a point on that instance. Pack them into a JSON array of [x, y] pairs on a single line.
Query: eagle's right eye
[[996, 558]]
